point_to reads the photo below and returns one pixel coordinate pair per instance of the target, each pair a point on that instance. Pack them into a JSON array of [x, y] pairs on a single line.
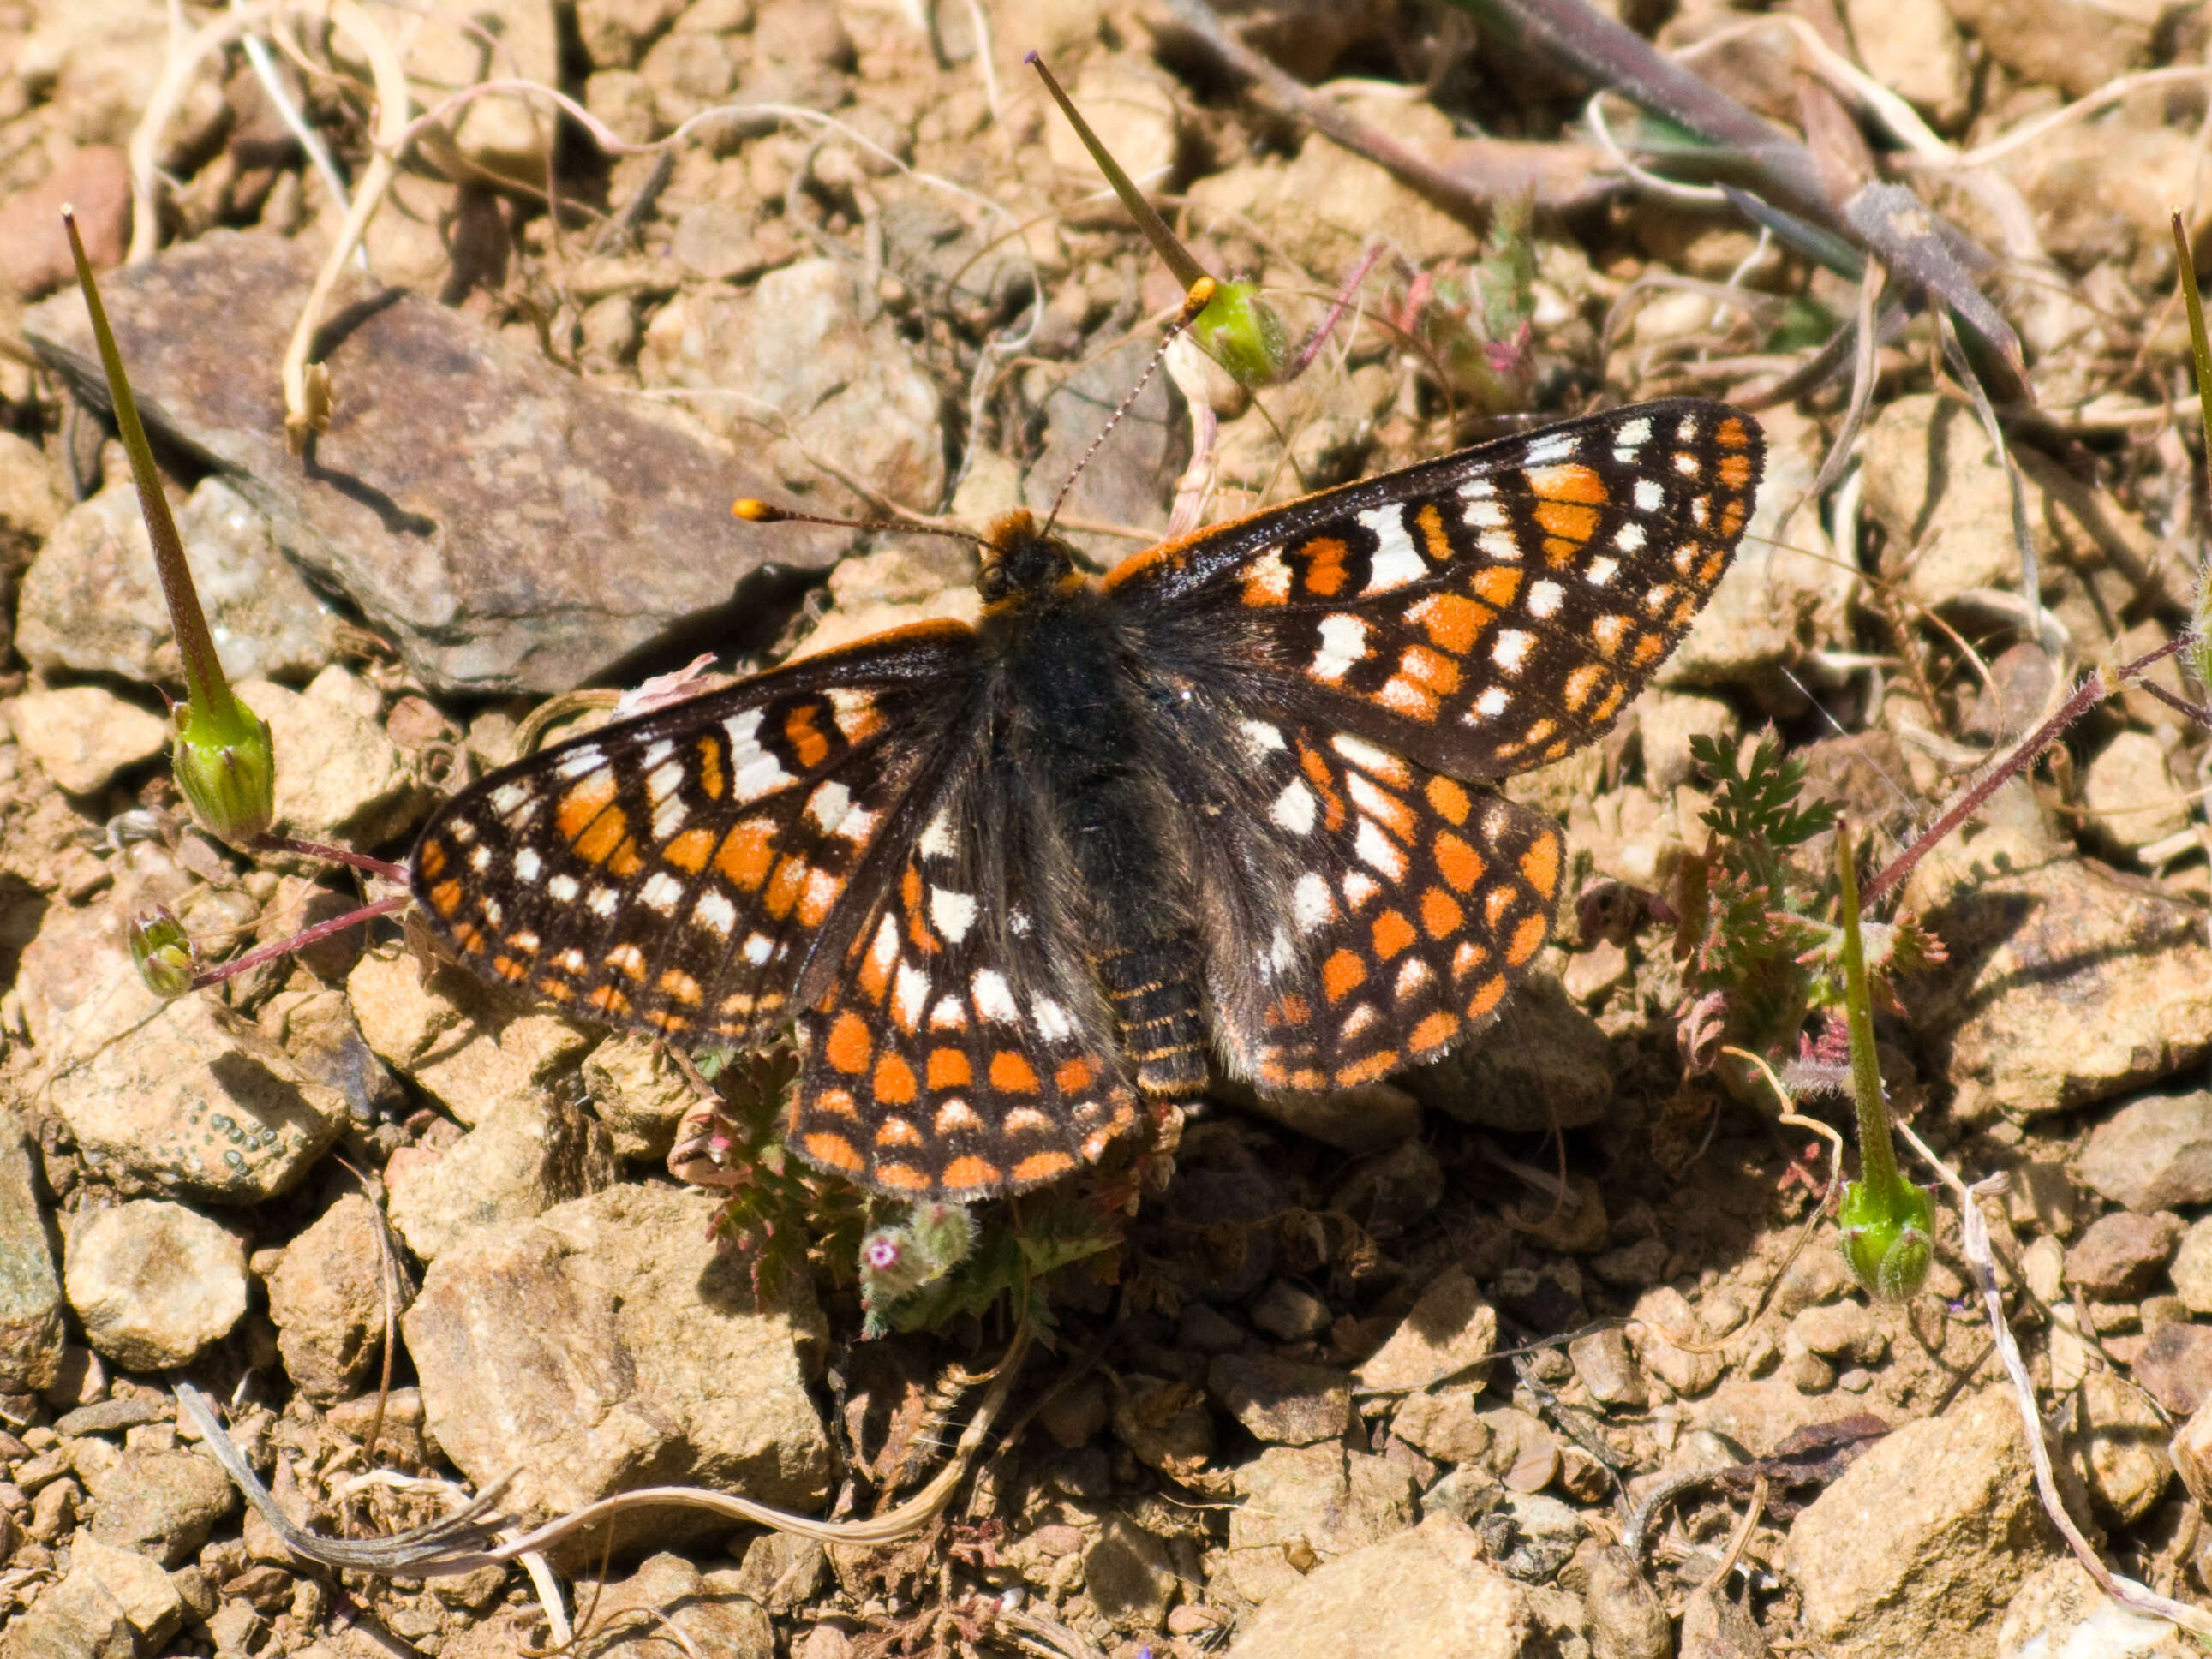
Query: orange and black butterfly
[[1228, 801]]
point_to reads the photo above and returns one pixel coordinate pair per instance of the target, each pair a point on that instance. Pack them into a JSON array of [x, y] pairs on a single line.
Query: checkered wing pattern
[[966, 1049], [1371, 911], [686, 874], [1486, 613]]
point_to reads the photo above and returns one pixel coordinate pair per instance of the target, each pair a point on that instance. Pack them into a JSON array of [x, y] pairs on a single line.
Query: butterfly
[[1230, 802]]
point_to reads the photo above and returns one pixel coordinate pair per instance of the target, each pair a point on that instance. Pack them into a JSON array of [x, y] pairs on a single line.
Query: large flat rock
[[507, 526]]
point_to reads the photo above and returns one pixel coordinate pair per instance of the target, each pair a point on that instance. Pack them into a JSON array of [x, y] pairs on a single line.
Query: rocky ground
[[1519, 1355]]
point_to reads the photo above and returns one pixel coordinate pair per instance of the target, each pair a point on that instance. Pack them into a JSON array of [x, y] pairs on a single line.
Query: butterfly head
[[1021, 561]]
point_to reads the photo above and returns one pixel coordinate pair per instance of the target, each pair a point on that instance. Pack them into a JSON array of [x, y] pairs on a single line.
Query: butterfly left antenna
[[754, 511], [1200, 296]]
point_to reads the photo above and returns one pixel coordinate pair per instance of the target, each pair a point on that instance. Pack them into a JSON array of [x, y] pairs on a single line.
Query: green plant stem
[[205, 686], [1877, 1159], [2198, 344], [1165, 243]]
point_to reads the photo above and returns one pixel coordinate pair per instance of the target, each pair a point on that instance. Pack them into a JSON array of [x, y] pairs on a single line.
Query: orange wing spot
[[1439, 673], [1453, 620], [1432, 524], [604, 838], [1449, 800], [903, 1176], [1010, 1073], [609, 1000], [1341, 974], [861, 721], [507, 967], [1498, 585], [898, 1132], [1581, 684], [1074, 1076], [1316, 769], [1561, 554], [1731, 434], [835, 1151], [684, 988], [1441, 915], [821, 890], [1610, 705], [875, 976], [1026, 1120], [1043, 1166], [1495, 903], [468, 937], [431, 860], [1569, 482], [690, 851], [849, 1044], [1433, 1032], [785, 887], [710, 767], [837, 1101], [1731, 519], [1491, 993], [964, 1173], [446, 896], [668, 1020], [1394, 815], [1290, 1010], [746, 853], [585, 801], [1734, 471], [1710, 571], [1462, 865], [1609, 633], [1372, 1069], [1527, 940], [1393, 933], [627, 959], [949, 1069], [809, 746], [1568, 522], [625, 860], [555, 990], [1648, 649], [894, 1084], [1325, 571]]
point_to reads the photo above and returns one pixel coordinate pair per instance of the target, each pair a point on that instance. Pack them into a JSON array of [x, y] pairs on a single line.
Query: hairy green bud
[[226, 764], [1888, 1238], [164, 955]]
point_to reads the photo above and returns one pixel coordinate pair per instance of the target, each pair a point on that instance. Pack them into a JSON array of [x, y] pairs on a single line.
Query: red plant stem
[[2195, 711], [300, 941], [316, 849], [2091, 692]]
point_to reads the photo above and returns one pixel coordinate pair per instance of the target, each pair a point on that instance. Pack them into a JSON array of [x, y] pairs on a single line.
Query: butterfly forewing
[[676, 874]]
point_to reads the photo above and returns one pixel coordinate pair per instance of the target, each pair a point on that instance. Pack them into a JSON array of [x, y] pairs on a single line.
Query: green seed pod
[[227, 768], [1889, 1241], [1244, 334], [163, 954]]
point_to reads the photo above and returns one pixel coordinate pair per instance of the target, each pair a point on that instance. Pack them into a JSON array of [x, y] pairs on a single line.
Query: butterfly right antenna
[[1200, 296]]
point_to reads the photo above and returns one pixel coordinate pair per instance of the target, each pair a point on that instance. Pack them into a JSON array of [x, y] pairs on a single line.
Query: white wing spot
[[951, 913], [994, 997], [1602, 570], [1359, 887], [527, 864], [1633, 433], [715, 913], [1294, 808], [1280, 952], [1544, 598], [1260, 737], [579, 762], [1686, 464], [937, 839], [662, 892], [1512, 649], [1378, 850], [563, 888], [1412, 977], [508, 797], [1650, 495], [1396, 561], [603, 901], [829, 803], [883, 950], [480, 859], [1269, 578], [950, 1014], [758, 947], [1052, 1021], [909, 995], [1547, 450], [1343, 643], [1486, 514], [1310, 904], [1687, 431], [1629, 538], [668, 816], [1500, 546], [1493, 702], [1360, 752]]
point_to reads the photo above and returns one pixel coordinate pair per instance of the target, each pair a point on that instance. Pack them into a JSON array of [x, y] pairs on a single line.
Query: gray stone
[[2071, 43], [31, 1335], [2061, 1610], [490, 533], [2175, 1364], [326, 1298], [140, 1586], [638, 1093], [607, 1343], [1662, 1314], [76, 1619], [2131, 796], [472, 1051], [1449, 1332], [161, 1504], [2191, 1267], [527, 1156], [1283, 1400], [339, 777], [1959, 1527], [2117, 1444], [848, 388], [1543, 1065], [82, 736], [152, 1283], [2120, 1254], [1914, 48], [1540, 1534], [1445, 1426], [192, 1101], [1126, 481], [1306, 1503], [1391, 1191], [1290, 1313], [1608, 1368], [2154, 1153], [93, 602], [1130, 1575], [1628, 1620], [1841, 1331], [1429, 1588]]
